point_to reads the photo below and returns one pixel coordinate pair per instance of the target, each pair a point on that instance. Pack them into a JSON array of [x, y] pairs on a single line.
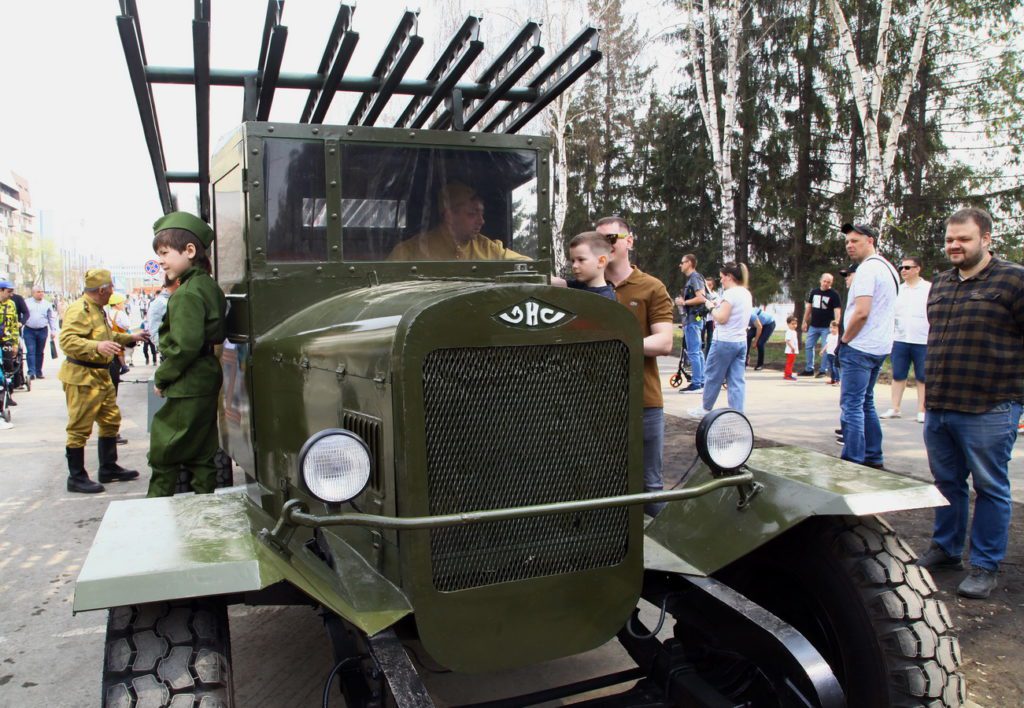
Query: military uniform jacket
[[193, 325], [85, 326]]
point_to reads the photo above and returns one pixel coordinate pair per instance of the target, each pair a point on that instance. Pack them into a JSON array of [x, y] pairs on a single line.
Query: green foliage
[[799, 161]]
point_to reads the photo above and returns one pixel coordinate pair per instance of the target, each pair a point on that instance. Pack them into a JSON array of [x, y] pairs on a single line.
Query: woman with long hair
[[729, 346]]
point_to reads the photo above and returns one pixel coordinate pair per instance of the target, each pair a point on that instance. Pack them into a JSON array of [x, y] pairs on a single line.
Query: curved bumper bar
[[294, 512]]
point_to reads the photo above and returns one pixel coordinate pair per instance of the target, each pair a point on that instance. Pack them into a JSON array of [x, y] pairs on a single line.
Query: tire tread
[[913, 625], [167, 654]]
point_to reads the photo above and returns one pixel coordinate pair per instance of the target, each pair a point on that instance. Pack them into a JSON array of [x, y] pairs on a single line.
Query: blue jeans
[[980, 445], [828, 363], [654, 444], [35, 345], [902, 354], [691, 335], [814, 335], [862, 431], [725, 363]]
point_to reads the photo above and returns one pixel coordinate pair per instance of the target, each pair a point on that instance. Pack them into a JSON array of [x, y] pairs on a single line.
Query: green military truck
[[449, 451]]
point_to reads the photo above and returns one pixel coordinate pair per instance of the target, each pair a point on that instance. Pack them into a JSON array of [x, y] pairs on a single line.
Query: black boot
[[110, 471], [78, 478]]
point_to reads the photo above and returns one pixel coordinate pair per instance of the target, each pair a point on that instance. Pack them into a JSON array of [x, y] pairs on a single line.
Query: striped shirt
[[975, 358]]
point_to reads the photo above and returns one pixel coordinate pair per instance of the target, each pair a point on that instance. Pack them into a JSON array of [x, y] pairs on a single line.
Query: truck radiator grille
[[368, 428], [516, 426]]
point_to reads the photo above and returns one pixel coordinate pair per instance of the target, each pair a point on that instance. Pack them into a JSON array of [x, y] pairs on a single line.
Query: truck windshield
[[437, 204], [402, 203]]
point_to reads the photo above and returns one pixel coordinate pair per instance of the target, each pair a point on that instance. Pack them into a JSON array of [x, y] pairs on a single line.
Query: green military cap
[[97, 278], [190, 222]]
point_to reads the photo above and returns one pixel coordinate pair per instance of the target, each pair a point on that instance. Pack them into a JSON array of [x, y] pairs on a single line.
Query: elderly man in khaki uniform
[[89, 346]]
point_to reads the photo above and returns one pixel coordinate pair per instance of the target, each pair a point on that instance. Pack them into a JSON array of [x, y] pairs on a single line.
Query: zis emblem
[[534, 314]]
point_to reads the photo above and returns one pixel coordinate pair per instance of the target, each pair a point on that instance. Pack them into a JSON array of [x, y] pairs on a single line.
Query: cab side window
[[296, 200]]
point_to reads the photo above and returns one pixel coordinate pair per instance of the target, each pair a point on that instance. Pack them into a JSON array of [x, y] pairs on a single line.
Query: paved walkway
[[806, 413]]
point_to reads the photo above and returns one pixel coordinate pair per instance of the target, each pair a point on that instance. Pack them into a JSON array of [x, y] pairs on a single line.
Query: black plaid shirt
[[975, 355]]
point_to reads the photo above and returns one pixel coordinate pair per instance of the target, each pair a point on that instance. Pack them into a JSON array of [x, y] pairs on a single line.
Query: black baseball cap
[[862, 229], [848, 270]]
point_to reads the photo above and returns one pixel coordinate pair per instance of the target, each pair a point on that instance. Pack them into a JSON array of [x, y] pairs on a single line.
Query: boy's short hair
[[791, 319], [833, 323], [600, 244], [178, 239]]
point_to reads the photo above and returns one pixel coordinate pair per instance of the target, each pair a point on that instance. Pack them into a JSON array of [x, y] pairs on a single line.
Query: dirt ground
[[991, 631]]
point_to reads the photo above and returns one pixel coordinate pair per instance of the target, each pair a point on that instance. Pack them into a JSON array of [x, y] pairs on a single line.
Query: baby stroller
[[5, 392], [14, 368]]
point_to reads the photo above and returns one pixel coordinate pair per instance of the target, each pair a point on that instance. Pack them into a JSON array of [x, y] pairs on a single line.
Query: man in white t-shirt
[[867, 340], [911, 339]]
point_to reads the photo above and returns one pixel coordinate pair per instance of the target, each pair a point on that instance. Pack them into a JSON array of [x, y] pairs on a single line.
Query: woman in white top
[[729, 348]]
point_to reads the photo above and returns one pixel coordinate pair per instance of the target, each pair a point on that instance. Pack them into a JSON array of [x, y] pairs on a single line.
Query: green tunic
[[184, 430]]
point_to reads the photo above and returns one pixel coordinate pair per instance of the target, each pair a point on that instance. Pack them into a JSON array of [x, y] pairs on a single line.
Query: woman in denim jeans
[[729, 348]]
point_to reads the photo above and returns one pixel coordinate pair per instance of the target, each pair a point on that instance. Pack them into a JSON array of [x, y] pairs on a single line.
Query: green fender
[[702, 535], [150, 550]]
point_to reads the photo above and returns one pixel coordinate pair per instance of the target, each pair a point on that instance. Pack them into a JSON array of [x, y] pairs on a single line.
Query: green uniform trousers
[[184, 433], [96, 403]]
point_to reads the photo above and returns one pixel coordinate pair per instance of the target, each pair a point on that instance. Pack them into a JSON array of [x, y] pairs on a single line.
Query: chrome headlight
[[335, 465], [725, 440]]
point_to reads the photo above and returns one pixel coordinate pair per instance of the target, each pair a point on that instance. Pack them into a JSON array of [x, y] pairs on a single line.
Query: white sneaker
[[920, 417], [697, 412], [891, 413], [4, 425]]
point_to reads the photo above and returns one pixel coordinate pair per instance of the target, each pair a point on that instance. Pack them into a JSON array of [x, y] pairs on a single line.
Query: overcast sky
[[69, 122]]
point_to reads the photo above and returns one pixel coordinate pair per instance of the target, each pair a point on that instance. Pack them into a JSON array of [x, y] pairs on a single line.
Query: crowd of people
[[29, 330], [962, 333]]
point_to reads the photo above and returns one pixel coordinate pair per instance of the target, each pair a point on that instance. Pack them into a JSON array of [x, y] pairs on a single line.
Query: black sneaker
[[840, 440], [937, 559], [874, 465], [978, 585], [806, 373], [758, 368], [692, 388], [819, 375], [839, 431]]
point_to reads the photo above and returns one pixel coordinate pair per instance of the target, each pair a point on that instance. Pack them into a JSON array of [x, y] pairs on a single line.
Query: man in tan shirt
[[649, 301], [458, 236]]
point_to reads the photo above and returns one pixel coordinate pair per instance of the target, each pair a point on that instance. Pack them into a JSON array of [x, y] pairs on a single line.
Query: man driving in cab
[[457, 237]]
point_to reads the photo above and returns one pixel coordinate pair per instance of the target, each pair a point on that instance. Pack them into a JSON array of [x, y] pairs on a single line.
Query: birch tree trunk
[[700, 46], [868, 97], [558, 118]]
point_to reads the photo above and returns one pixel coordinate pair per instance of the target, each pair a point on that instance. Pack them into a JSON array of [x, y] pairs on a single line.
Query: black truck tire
[[849, 585], [168, 654], [225, 474]]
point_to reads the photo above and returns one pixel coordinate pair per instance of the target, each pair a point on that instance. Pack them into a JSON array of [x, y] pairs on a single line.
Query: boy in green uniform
[[184, 430]]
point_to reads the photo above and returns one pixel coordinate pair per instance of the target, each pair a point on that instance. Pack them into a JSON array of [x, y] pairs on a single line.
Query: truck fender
[[152, 550], [702, 535]]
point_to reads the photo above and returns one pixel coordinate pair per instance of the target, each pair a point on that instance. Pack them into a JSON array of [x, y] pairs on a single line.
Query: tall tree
[[722, 131], [867, 85]]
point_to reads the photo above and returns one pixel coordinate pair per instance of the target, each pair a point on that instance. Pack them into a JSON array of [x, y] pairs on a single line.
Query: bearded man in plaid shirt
[[975, 373]]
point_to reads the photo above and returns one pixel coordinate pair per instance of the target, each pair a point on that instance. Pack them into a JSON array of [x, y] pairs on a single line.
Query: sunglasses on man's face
[[618, 236], [906, 267]]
